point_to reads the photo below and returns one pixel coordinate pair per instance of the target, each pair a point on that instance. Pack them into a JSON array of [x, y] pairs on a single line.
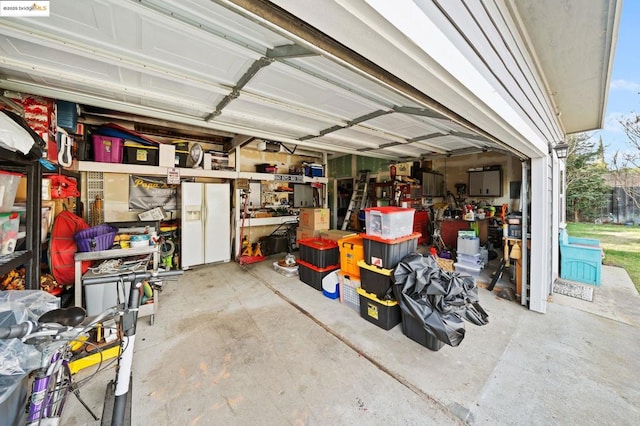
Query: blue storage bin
[[314, 170]]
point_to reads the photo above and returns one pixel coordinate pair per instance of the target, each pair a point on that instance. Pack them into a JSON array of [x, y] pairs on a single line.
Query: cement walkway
[[234, 346]]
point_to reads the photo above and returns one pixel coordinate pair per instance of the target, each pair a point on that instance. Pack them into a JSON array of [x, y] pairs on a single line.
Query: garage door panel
[[334, 72], [218, 18], [404, 151], [292, 86], [402, 125], [262, 124], [205, 56], [263, 110]]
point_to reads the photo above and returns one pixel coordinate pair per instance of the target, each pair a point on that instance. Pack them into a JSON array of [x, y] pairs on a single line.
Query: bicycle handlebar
[[18, 330], [130, 276]]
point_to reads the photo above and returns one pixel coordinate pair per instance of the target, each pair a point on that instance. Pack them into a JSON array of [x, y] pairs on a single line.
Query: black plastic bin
[[414, 330], [313, 276], [135, 153], [376, 280], [319, 252], [388, 253], [383, 313]]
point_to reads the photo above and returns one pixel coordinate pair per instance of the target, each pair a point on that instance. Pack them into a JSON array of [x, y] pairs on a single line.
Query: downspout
[[524, 258]]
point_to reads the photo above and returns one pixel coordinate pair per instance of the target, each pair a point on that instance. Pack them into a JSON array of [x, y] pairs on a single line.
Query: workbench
[[145, 310], [449, 230]]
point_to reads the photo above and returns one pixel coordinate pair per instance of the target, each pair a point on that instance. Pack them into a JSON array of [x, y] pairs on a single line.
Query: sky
[[624, 91]]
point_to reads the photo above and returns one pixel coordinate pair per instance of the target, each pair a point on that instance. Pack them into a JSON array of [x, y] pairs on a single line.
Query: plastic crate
[[383, 313], [107, 149], [414, 330], [375, 280], [348, 294], [473, 270], [468, 245], [312, 276], [388, 253], [266, 168], [351, 251], [135, 153], [9, 226], [314, 170], [471, 259], [8, 187], [319, 252], [389, 222]]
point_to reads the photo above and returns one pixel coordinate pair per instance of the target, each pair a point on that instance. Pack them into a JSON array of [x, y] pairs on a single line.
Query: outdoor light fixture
[[561, 149]]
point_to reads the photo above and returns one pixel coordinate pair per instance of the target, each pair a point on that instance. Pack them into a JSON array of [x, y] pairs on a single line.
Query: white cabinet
[[485, 183]]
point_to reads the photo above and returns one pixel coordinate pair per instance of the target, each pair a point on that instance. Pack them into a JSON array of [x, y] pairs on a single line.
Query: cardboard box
[[59, 204], [335, 234], [21, 193], [303, 233], [315, 218]]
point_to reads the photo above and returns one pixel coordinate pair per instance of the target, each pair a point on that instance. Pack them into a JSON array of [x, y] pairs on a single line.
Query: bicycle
[[56, 331]]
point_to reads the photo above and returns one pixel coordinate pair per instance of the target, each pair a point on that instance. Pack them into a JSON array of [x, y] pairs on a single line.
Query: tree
[[587, 191], [626, 165]]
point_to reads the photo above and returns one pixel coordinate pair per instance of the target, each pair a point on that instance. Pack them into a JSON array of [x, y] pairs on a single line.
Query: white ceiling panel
[[404, 151], [353, 81], [402, 125], [292, 86], [342, 138], [213, 63], [219, 20], [287, 123]]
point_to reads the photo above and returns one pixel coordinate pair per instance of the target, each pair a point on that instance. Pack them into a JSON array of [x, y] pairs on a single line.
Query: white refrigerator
[[206, 223]]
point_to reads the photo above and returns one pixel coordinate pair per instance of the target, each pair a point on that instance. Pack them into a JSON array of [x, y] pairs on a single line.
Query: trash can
[[435, 303]]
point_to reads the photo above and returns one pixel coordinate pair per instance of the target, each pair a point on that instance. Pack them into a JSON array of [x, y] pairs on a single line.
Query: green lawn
[[621, 245]]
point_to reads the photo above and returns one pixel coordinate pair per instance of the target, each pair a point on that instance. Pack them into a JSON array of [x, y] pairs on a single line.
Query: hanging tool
[[358, 197]]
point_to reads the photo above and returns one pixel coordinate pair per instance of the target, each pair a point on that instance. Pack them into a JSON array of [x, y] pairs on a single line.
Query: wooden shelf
[[13, 260], [93, 166], [266, 221]]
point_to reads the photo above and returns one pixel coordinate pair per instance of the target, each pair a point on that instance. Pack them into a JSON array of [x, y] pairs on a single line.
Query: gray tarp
[[439, 299]]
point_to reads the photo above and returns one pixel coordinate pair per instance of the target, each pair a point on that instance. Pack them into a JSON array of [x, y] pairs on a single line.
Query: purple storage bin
[[96, 238], [107, 149]]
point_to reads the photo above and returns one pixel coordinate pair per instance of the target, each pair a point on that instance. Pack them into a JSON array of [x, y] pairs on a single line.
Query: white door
[[217, 223], [192, 237]]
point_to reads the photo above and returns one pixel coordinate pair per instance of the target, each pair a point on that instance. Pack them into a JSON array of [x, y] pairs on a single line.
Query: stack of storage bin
[[468, 253], [389, 237], [318, 258], [351, 251]]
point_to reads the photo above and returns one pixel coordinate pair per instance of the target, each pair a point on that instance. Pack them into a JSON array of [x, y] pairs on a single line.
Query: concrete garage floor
[[236, 346]]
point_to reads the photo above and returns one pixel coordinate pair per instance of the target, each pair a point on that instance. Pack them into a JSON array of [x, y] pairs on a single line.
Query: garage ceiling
[[200, 63]]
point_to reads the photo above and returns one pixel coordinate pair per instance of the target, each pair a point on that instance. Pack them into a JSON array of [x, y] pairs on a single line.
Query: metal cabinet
[[485, 183]]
